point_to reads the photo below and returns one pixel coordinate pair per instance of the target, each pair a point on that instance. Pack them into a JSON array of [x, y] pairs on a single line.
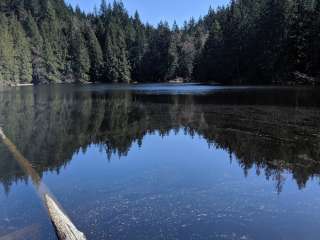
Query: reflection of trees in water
[[50, 124]]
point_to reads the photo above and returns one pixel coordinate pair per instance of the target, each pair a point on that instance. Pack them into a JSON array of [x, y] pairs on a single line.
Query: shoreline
[[23, 85], [287, 84]]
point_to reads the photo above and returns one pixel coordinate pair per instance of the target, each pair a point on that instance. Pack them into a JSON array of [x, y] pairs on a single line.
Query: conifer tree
[[95, 54], [117, 67], [7, 52], [137, 48], [22, 56], [210, 63], [36, 44]]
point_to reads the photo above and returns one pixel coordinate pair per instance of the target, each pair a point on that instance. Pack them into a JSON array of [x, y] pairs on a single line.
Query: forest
[[257, 42]]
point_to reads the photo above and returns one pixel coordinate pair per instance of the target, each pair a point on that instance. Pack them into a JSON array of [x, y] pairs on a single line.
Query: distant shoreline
[[23, 85], [288, 83]]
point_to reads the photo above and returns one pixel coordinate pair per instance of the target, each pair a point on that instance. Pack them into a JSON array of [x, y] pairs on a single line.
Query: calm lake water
[[164, 161]]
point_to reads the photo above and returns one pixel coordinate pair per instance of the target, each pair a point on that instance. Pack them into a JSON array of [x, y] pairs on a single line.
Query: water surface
[[165, 161]]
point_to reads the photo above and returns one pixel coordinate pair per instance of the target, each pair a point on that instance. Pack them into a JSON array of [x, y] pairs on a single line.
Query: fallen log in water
[[65, 229]]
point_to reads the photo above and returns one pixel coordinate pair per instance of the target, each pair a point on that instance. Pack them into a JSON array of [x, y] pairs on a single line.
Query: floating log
[[65, 229]]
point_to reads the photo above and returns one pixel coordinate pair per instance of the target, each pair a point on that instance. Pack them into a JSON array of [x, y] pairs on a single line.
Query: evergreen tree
[[80, 61], [298, 38], [49, 32], [117, 67], [95, 54], [36, 44], [7, 52], [271, 36], [22, 56], [186, 57], [137, 48], [210, 62], [157, 60]]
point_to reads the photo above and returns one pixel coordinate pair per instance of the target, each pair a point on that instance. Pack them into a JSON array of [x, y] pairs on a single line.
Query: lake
[[164, 161]]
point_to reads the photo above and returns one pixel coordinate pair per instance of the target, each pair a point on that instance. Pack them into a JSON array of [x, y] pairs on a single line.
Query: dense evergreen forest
[[245, 42]]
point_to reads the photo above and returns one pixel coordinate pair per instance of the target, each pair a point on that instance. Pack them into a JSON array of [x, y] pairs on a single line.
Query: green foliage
[[261, 42], [158, 58], [80, 61], [209, 63], [95, 54], [6, 51], [117, 67], [15, 54], [22, 55], [245, 42]]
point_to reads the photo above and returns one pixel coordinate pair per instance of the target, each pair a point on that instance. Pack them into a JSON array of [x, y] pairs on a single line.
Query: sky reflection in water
[[131, 166]]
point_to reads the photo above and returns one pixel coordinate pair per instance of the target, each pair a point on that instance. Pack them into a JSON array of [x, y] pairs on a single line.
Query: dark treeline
[[247, 41]]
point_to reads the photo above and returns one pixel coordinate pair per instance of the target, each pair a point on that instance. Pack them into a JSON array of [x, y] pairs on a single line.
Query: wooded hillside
[[246, 42]]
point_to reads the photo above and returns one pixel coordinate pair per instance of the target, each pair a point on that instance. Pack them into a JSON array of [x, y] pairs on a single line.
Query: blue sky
[[153, 11]]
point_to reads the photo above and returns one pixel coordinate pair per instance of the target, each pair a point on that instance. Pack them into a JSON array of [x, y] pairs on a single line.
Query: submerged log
[[63, 225], [65, 229]]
